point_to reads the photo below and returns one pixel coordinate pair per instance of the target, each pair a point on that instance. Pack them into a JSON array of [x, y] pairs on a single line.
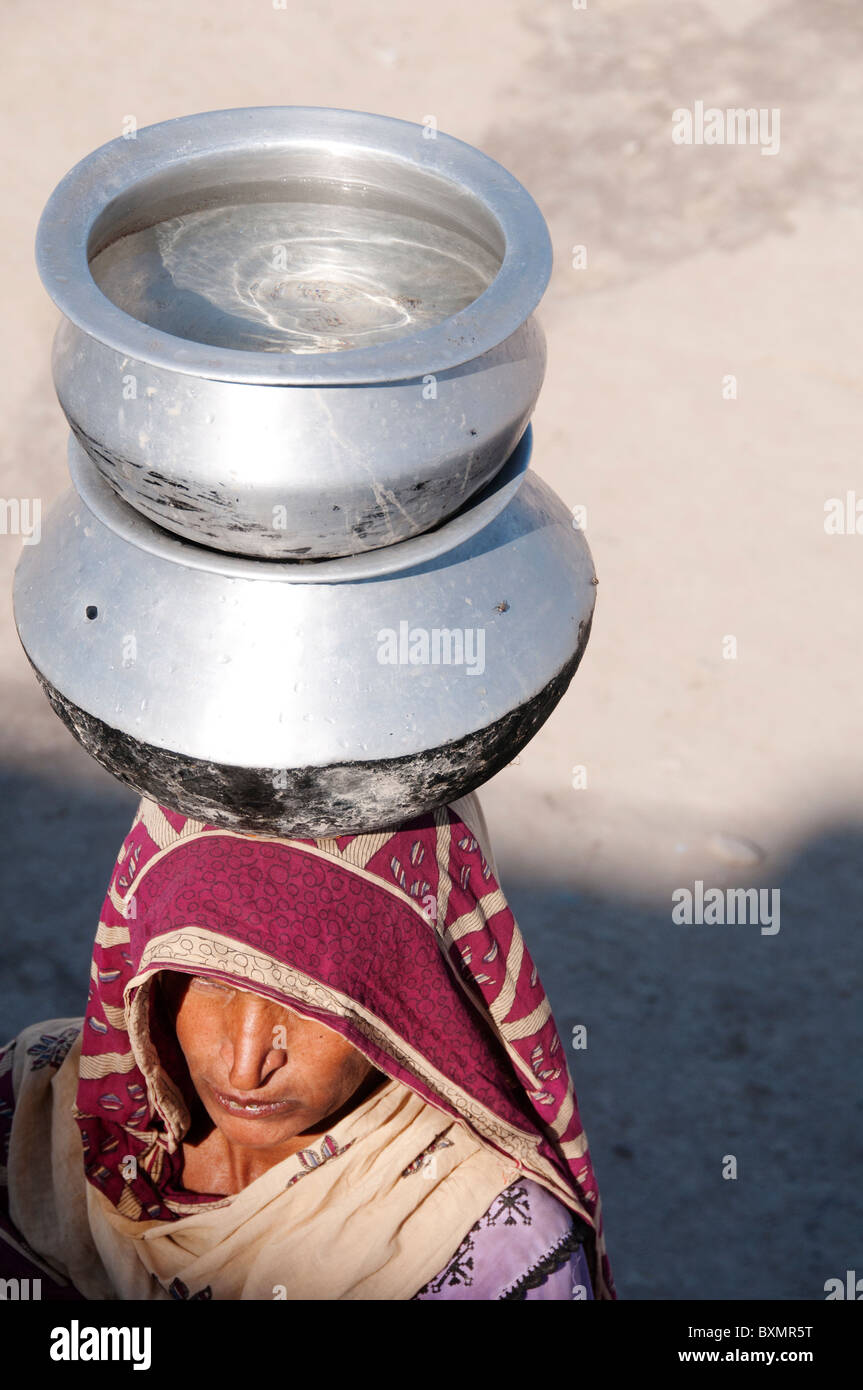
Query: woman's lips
[[253, 1109]]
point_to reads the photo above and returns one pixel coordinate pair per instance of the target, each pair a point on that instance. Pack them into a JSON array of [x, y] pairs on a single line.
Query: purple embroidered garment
[[527, 1245]]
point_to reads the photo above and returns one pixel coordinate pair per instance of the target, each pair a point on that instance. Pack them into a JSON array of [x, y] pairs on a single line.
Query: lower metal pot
[[306, 699]]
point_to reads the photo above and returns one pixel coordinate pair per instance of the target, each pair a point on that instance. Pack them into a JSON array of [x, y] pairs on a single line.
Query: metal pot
[[293, 331], [312, 698]]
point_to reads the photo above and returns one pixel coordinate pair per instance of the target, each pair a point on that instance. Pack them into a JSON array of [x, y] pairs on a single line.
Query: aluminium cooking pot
[[295, 332]]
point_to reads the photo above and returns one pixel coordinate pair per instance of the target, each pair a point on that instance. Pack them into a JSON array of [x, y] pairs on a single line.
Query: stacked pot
[[303, 581]]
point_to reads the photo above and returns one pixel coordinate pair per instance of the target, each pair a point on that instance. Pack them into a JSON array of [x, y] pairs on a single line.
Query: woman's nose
[[257, 1044]]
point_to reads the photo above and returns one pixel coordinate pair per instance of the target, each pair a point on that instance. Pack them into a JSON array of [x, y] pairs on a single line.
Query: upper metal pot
[[294, 331]]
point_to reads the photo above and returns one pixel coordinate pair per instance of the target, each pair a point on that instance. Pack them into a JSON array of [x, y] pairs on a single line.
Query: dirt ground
[[706, 519]]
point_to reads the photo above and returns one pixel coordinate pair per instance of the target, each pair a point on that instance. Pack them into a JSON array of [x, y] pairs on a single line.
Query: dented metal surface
[[310, 473]]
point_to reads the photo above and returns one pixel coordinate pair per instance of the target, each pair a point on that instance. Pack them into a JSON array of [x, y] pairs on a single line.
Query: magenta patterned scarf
[[401, 941]]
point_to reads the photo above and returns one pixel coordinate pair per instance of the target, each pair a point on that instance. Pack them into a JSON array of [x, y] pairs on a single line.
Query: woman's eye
[[203, 982]]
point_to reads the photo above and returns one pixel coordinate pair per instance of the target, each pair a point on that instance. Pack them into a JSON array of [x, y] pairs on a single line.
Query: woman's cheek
[[196, 1034]]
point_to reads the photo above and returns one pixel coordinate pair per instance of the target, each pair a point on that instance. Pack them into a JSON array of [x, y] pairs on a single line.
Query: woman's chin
[[257, 1134]]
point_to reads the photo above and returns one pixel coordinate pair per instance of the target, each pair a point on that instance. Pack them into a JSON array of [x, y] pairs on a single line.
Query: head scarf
[[401, 941]]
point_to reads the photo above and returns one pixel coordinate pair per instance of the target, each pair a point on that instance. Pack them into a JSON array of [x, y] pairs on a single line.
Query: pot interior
[[298, 249]]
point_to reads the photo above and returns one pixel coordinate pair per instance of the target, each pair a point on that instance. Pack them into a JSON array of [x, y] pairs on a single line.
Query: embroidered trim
[[51, 1049], [556, 1258], [311, 1159], [439, 1142], [510, 1204], [177, 1289], [458, 1270]]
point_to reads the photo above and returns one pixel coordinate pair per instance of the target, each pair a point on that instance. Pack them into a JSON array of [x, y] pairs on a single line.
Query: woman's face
[[263, 1074]]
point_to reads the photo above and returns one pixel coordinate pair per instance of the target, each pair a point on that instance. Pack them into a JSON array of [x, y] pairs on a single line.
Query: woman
[[309, 1069]]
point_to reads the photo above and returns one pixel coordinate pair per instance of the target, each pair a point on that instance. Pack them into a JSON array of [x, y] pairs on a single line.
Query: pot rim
[[97, 181]]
